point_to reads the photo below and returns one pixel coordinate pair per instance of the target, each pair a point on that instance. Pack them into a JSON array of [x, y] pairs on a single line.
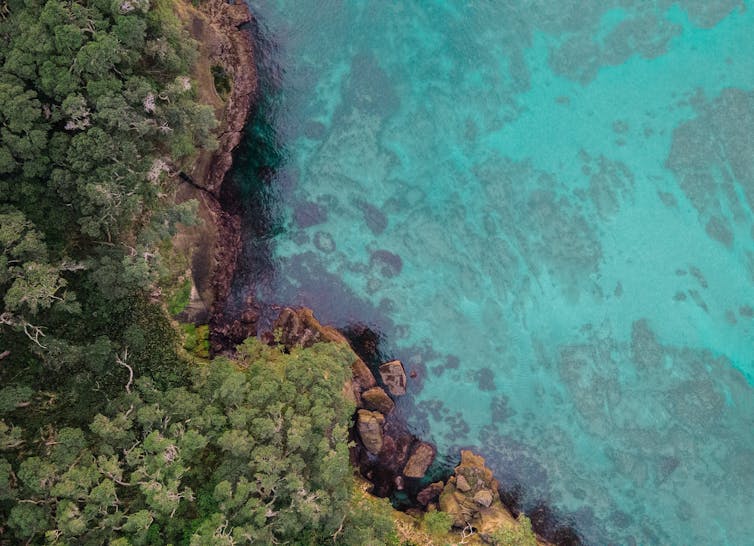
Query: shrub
[[519, 535], [437, 523]]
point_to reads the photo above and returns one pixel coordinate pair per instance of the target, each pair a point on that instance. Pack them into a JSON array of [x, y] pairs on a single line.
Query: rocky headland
[[392, 459], [384, 451]]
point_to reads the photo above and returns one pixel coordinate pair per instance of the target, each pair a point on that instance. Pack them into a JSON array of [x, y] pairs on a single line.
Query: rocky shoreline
[[392, 459], [385, 452]]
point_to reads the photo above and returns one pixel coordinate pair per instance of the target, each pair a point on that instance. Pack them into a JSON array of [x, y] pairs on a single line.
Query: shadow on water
[[249, 191], [260, 188]]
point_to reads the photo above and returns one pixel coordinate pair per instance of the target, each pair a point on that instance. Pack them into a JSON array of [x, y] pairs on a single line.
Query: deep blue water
[[546, 210]]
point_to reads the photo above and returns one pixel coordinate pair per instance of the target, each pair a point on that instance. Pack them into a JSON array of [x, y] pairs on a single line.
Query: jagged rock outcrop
[[369, 424], [394, 377], [377, 399], [484, 497], [419, 461], [299, 328], [471, 497]]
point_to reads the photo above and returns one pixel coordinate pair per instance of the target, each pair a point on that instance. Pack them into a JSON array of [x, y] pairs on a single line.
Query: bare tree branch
[[31, 331], [466, 533], [122, 360]]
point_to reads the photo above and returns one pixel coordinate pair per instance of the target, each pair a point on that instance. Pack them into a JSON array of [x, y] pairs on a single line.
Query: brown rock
[[397, 447], [369, 425], [196, 311], [299, 328], [215, 241], [461, 484], [496, 517], [394, 377], [430, 493], [415, 513], [419, 461], [450, 505], [250, 316], [362, 377], [483, 498], [376, 399]]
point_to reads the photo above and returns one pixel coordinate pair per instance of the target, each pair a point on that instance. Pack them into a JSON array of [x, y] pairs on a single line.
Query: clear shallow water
[[546, 209]]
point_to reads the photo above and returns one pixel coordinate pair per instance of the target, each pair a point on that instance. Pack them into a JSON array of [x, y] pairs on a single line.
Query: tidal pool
[[545, 208]]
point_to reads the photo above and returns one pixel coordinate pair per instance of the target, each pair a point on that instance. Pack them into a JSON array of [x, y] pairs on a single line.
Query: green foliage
[[264, 444], [179, 299], [97, 106], [437, 523], [221, 80], [196, 340], [369, 521], [95, 95], [520, 535]]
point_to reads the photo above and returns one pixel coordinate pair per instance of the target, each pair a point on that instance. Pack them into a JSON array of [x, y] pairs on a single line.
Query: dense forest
[[109, 431]]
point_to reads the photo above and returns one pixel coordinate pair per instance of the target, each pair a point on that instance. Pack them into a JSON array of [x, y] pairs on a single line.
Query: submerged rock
[[324, 242], [369, 424], [419, 461], [309, 214], [394, 377], [386, 263], [377, 399]]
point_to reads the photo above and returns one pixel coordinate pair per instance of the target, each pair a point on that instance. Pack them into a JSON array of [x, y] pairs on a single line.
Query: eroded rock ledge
[[225, 49]]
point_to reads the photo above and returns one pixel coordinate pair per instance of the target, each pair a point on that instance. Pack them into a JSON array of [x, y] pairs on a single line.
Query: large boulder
[[483, 497], [362, 377], [369, 424], [394, 377], [419, 461], [376, 399]]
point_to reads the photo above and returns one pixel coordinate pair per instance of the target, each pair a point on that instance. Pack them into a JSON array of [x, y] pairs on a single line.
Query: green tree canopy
[[254, 451]]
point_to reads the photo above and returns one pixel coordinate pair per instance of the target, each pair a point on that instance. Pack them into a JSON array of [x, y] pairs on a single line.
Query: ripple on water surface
[[546, 209]]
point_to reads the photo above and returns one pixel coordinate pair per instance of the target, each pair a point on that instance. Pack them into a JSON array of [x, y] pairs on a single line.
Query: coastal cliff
[[226, 78]]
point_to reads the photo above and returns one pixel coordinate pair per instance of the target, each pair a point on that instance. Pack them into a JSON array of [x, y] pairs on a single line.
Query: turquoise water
[[546, 210]]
